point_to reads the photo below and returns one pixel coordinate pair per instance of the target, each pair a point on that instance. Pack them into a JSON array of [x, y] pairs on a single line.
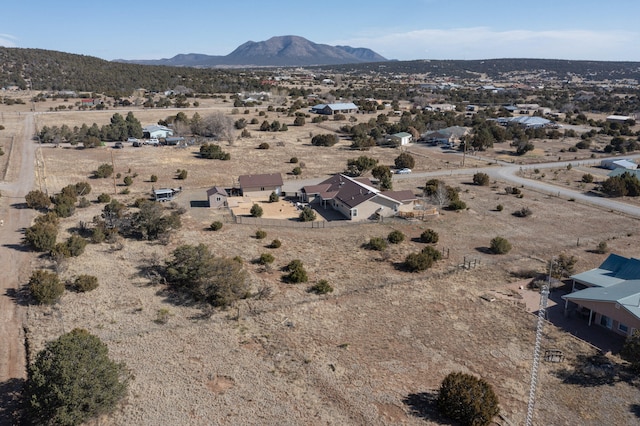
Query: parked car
[[153, 141], [404, 171], [118, 145], [133, 140]]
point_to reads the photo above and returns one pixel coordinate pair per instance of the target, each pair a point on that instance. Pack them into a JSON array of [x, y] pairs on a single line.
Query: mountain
[[277, 51]]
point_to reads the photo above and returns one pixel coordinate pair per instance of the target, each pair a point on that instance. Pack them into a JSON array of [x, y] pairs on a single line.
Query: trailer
[[166, 194]]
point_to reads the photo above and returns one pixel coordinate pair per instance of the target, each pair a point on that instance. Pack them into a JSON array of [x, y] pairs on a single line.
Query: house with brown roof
[[261, 185], [217, 197], [356, 198]]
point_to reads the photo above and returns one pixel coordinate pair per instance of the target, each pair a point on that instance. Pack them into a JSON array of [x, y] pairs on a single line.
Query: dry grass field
[[360, 355]]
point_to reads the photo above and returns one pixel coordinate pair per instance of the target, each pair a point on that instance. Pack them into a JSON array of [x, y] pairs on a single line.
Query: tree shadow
[[424, 405], [18, 247], [485, 250], [594, 370], [11, 406], [635, 409], [22, 205], [20, 296]]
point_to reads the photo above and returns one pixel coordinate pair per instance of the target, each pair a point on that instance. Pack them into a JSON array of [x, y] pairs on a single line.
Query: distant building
[[337, 108], [613, 164], [156, 131], [618, 118], [528, 122], [401, 138]]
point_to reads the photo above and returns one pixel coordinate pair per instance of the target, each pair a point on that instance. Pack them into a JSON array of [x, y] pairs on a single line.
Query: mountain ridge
[[286, 50]]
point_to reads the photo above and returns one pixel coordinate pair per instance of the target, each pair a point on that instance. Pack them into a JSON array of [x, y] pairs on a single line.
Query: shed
[[403, 138], [217, 197], [621, 163]]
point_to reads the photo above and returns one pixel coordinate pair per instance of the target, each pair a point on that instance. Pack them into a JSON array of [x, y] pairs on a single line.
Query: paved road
[[14, 262], [509, 172]]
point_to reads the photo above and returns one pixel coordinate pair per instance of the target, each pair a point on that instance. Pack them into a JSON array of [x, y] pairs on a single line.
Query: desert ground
[[370, 352]]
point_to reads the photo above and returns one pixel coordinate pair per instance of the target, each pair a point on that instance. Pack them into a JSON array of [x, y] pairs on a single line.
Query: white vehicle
[[132, 140], [153, 141], [404, 171]]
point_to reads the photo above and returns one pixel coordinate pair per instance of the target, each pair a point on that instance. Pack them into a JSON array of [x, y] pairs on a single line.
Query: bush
[[500, 245], [215, 280], [263, 145], [266, 259], [404, 160], [293, 160], [602, 247], [45, 287], [275, 244], [260, 234], [429, 236], [216, 225], [523, 212], [153, 178], [481, 179], [297, 171], [213, 152], [587, 178], [297, 273], [75, 245], [321, 287], [41, 236], [84, 283], [324, 140], [256, 211], [395, 237], [499, 207], [73, 380], [128, 181], [104, 198], [104, 171], [37, 200], [416, 262], [376, 243], [182, 174], [307, 215], [457, 205], [433, 253], [273, 197], [467, 399]]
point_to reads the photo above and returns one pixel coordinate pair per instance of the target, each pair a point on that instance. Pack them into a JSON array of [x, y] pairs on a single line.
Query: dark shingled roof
[[254, 181]]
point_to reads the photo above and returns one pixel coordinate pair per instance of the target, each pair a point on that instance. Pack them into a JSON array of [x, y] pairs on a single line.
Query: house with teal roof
[[609, 295]]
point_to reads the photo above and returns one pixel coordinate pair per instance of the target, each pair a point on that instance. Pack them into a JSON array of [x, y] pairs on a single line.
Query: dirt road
[[14, 261]]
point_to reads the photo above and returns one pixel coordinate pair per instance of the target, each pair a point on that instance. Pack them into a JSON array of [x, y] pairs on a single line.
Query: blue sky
[[396, 29]]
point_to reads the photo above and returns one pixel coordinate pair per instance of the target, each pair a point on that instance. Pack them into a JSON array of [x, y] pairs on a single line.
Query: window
[[623, 328], [354, 212], [605, 321]]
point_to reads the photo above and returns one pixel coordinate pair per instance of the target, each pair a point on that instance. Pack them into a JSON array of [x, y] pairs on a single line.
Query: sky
[[396, 29]]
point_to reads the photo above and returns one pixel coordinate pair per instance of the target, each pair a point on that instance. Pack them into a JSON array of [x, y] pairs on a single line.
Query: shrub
[[266, 259], [263, 145], [376, 243], [256, 211], [216, 225], [273, 197], [83, 203], [104, 171], [404, 160], [415, 262], [395, 237], [467, 399], [499, 207], [587, 178], [128, 181], [324, 140], [38, 200], [75, 245], [429, 236], [73, 380], [104, 198], [82, 188], [433, 253], [293, 160], [213, 152], [275, 244], [297, 274], [260, 234], [631, 350], [481, 179], [297, 171], [602, 247], [523, 212], [153, 178], [41, 236], [182, 174], [84, 283], [45, 287], [321, 287], [457, 205], [500, 245], [307, 215]]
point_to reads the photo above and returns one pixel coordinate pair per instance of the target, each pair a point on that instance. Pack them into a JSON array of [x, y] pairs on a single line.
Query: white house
[[621, 163], [156, 131], [402, 138]]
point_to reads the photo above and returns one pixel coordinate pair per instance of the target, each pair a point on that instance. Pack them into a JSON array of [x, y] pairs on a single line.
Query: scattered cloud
[[7, 40], [485, 43]]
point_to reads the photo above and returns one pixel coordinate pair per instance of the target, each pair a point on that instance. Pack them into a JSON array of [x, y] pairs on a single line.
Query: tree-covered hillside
[[51, 70]]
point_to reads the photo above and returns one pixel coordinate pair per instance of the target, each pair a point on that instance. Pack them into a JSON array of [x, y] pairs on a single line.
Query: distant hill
[[277, 51]]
